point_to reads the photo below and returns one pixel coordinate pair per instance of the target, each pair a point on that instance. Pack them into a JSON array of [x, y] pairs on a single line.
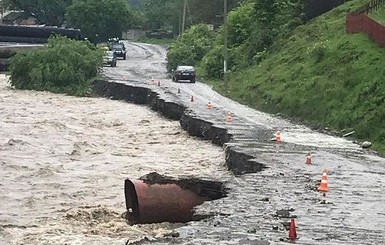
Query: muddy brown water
[[64, 159]]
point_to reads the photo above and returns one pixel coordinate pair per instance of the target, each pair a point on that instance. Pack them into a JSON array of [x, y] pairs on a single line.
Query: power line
[[184, 14], [225, 51]]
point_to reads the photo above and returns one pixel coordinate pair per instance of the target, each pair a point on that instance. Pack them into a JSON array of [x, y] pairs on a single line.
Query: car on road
[[109, 58], [183, 73], [119, 49]]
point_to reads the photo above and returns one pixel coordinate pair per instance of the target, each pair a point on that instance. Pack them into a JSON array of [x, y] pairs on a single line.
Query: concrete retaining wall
[[356, 23]]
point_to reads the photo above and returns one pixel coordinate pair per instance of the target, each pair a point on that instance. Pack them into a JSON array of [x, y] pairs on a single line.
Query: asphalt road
[[353, 211]]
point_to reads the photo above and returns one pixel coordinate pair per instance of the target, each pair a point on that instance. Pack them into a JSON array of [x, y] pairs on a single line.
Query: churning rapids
[[64, 159]]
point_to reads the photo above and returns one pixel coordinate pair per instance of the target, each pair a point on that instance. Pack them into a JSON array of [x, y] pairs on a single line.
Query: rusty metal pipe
[[159, 202]]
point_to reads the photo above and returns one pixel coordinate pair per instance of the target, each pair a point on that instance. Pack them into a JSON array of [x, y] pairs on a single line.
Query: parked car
[[119, 50], [109, 58], [183, 73]]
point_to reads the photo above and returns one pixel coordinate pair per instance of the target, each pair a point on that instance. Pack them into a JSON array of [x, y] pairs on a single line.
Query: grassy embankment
[[321, 76], [378, 15]]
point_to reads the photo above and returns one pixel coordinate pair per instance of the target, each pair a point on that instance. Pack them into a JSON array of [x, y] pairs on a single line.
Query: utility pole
[[225, 51], [184, 15], [2, 12]]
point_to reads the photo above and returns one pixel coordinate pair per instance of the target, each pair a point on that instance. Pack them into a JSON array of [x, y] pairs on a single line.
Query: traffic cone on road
[[229, 117], [308, 159], [209, 106], [278, 136], [192, 98], [292, 231], [324, 182]]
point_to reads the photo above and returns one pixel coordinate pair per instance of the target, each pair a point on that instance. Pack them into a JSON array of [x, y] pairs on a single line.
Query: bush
[[190, 48], [212, 63], [64, 66], [252, 28], [319, 50]]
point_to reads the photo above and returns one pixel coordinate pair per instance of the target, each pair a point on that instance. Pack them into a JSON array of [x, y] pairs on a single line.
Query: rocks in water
[[283, 213], [366, 144], [172, 234], [265, 199]]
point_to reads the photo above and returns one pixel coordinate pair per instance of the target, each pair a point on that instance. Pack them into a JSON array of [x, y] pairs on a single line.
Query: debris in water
[[156, 198]]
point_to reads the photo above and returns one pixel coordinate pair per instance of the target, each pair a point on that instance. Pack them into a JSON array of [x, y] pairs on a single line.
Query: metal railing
[[369, 7]]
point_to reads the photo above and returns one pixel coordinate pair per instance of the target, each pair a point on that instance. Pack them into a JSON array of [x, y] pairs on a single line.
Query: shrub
[[212, 63], [190, 48], [63, 66], [319, 50]]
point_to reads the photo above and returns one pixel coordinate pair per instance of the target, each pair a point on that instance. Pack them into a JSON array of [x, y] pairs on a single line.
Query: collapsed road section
[[156, 198], [349, 214], [237, 161]]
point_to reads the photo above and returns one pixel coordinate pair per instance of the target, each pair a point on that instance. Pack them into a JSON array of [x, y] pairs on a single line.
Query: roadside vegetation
[[191, 47], [100, 20], [97, 20], [313, 72], [63, 66]]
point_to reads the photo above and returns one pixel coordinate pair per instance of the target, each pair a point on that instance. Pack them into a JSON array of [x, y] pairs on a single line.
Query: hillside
[[322, 76], [378, 15]]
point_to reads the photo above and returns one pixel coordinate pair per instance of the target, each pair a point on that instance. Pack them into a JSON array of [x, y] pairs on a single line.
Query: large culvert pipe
[[154, 203]]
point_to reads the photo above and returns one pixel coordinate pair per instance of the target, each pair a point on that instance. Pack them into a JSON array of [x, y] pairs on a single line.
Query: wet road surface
[[354, 211]]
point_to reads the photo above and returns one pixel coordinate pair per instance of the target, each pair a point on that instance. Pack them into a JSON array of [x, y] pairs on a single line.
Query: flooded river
[[64, 159]]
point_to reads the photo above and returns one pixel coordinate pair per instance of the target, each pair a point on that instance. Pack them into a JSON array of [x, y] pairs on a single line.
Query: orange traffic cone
[[192, 98], [292, 231], [209, 106], [278, 136], [229, 117], [324, 182], [308, 158]]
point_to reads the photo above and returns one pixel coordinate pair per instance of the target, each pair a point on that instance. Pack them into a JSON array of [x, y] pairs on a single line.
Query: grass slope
[[323, 76], [378, 15]]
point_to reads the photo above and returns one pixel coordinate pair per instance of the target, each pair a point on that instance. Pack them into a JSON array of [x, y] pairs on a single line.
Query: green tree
[[210, 12], [63, 66], [100, 20], [49, 12], [190, 48], [164, 14], [241, 26], [168, 13], [252, 28]]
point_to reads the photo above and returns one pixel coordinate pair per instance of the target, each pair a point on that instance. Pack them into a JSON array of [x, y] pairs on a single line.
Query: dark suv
[[119, 50], [184, 73]]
